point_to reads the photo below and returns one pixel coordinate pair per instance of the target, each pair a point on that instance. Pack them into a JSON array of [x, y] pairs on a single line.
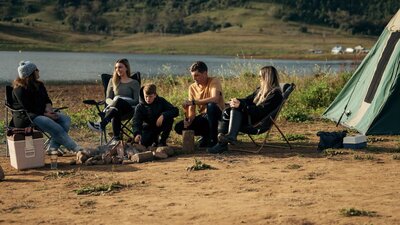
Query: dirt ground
[[277, 186]]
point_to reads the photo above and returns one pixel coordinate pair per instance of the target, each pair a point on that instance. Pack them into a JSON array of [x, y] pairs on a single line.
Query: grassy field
[[255, 33]]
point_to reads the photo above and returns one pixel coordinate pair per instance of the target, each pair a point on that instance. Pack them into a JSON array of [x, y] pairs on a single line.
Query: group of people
[[153, 116]]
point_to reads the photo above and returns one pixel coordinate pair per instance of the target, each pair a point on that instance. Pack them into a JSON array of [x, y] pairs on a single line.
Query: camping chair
[[101, 106], [8, 102], [265, 125]]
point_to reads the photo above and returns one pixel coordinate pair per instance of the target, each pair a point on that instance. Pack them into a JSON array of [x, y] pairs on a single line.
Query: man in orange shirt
[[206, 94]]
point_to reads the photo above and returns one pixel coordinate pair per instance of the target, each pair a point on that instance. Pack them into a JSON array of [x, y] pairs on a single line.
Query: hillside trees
[[168, 16], [356, 16]]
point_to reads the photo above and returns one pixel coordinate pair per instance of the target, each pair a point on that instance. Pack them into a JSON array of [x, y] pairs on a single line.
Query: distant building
[[349, 50], [358, 49], [337, 50]]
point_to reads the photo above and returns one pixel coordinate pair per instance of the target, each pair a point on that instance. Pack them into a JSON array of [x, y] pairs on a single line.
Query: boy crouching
[[153, 116]]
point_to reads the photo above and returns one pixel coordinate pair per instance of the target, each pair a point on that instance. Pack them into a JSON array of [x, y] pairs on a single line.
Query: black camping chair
[[9, 124], [265, 125], [101, 105]]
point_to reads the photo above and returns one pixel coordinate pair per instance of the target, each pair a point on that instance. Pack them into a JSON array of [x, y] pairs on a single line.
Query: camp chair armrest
[[15, 110], [58, 109], [93, 102]]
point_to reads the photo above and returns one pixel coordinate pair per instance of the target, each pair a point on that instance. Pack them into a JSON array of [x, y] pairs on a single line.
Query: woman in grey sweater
[[121, 97]]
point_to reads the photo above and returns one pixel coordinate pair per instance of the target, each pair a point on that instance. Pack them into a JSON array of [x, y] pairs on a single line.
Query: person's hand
[[186, 104], [160, 121], [51, 115], [234, 103], [187, 122], [138, 139]]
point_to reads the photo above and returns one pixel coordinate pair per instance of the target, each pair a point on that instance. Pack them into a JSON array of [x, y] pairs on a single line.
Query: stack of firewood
[[122, 153]]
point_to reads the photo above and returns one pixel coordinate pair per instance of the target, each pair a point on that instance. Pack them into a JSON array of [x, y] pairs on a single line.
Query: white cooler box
[[26, 151], [355, 142]]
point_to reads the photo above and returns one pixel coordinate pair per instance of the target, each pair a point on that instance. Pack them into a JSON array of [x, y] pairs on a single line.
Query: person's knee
[[179, 127], [167, 123], [212, 107]]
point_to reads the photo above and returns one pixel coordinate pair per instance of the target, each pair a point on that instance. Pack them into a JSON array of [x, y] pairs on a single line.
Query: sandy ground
[[277, 186]]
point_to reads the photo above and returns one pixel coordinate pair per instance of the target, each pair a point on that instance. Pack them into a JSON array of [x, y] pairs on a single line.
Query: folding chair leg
[[260, 147], [284, 137], [103, 137]]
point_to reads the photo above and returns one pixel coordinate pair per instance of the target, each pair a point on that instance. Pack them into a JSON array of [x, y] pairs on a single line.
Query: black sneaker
[[218, 148], [95, 126], [204, 142]]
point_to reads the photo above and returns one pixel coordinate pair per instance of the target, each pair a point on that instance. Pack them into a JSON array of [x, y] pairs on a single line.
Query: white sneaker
[[94, 126], [114, 142], [50, 150]]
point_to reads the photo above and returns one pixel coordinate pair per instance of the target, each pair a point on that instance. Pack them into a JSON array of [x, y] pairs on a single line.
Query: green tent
[[370, 101]]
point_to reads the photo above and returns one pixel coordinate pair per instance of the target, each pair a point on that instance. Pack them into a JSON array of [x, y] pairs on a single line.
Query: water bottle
[[53, 160]]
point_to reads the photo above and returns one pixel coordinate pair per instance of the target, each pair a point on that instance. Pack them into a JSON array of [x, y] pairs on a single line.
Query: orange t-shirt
[[197, 92]]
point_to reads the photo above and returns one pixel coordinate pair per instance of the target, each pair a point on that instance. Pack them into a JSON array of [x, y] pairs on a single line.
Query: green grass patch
[[356, 212], [199, 165], [59, 175], [333, 152], [295, 137], [293, 166], [99, 189], [358, 157]]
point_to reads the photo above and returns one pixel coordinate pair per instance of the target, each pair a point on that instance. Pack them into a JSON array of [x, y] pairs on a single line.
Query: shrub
[[295, 113]]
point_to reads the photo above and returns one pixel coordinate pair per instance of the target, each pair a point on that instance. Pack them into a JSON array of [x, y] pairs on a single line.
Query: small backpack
[[330, 139]]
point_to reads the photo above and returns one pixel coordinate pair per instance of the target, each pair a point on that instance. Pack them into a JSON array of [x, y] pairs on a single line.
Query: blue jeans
[[58, 130]]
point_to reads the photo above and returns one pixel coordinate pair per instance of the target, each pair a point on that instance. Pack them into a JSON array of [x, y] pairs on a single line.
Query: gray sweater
[[128, 91]]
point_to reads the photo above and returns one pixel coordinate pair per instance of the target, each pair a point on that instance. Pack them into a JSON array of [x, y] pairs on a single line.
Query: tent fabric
[[370, 101]]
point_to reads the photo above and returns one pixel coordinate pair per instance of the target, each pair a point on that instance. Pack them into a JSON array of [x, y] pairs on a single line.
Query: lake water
[[77, 66]]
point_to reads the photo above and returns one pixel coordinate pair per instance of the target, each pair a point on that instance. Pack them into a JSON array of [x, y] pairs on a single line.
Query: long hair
[[29, 82], [269, 82], [116, 80]]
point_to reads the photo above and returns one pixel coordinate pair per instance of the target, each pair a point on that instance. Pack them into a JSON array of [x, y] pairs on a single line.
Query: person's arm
[[168, 111], [274, 99], [215, 94], [135, 92], [46, 95], [138, 121], [247, 101], [25, 101], [109, 93]]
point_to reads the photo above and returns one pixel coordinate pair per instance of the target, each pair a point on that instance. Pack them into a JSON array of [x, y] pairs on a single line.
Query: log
[[140, 148], [81, 157], [89, 161], [120, 149], [127, 162], [116, 160], [168, 150], [107, 158], [130, 151], [160, 155], [1, 174], [188, 141], [142, 157], [99, 162]]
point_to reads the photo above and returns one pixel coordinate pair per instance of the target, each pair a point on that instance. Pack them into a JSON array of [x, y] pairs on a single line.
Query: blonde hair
[[116, 80], [269, 82]]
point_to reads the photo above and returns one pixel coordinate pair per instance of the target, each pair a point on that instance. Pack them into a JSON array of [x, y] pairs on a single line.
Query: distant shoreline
[[311, 57]]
